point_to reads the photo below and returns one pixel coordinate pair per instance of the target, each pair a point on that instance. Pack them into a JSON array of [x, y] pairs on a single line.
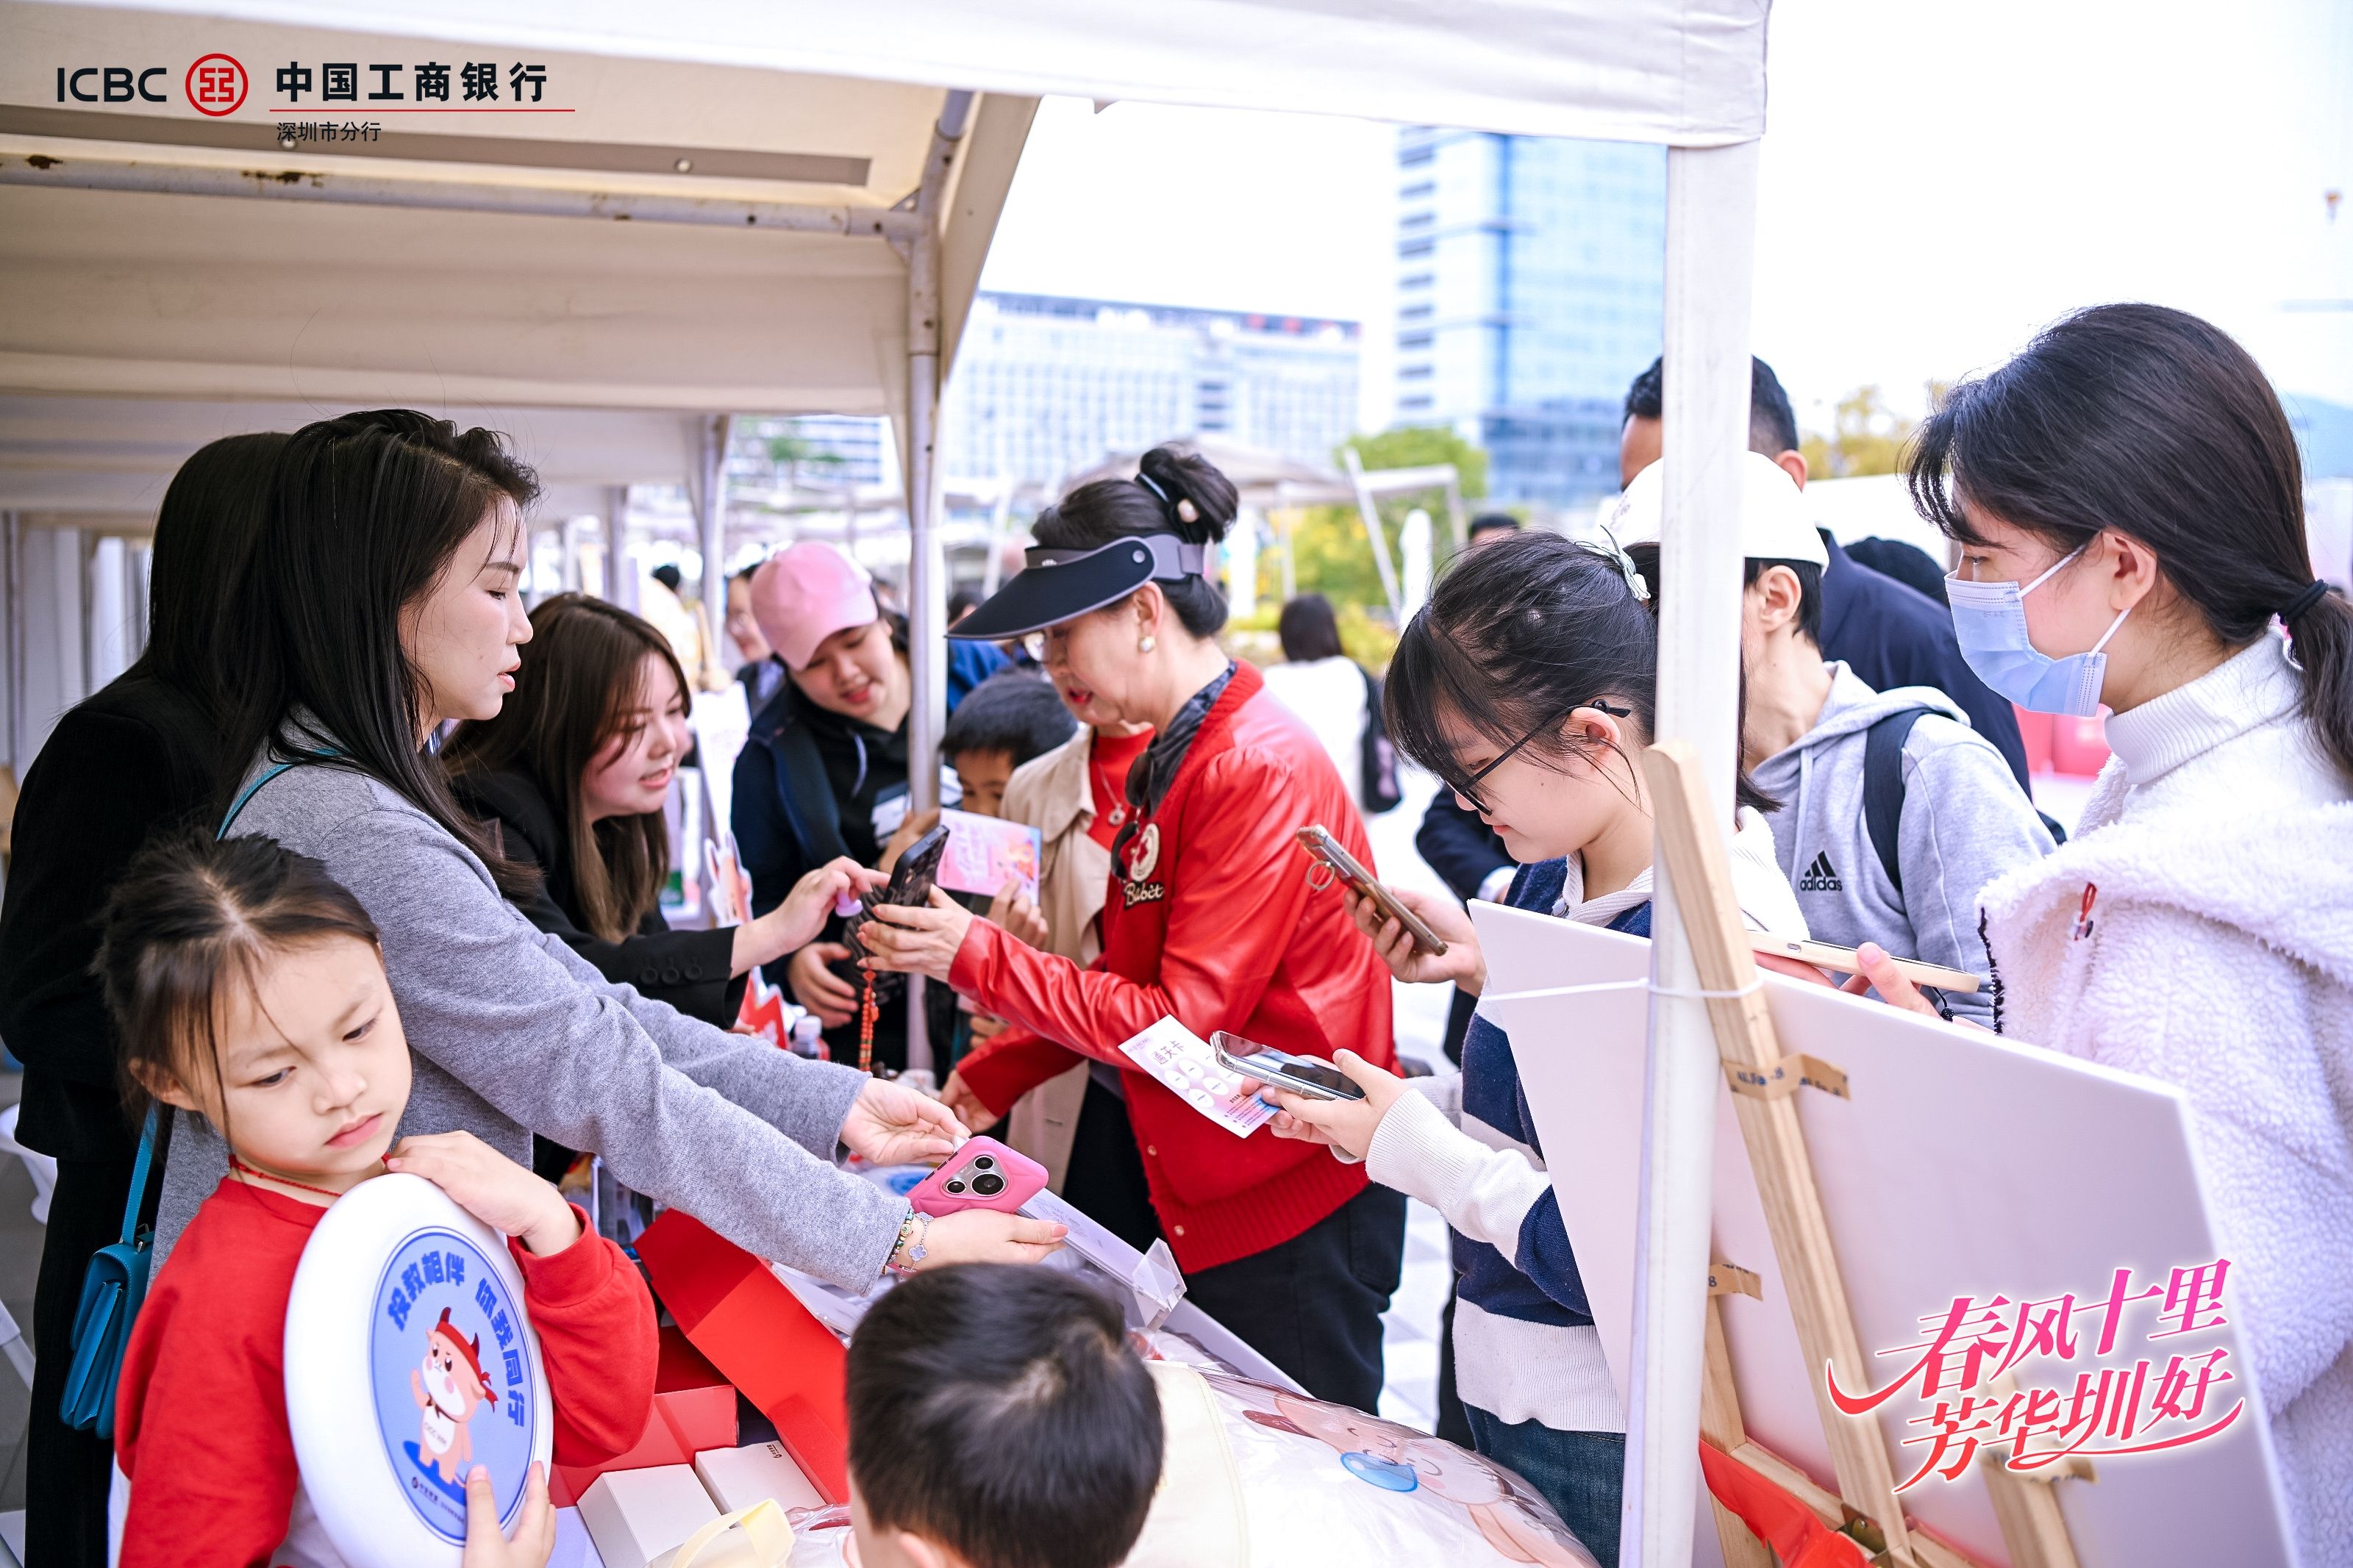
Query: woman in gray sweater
[[383, 601]]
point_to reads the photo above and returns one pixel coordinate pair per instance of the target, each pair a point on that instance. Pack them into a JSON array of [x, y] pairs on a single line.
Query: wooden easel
[[1864, 1507]]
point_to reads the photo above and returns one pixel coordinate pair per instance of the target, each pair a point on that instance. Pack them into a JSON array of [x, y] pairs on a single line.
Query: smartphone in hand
[[983, 1175], [1306, 1075], [1328, 851]]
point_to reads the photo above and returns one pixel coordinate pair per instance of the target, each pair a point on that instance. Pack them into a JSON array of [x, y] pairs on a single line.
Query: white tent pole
[[718, 431], [927, 589], [1711, 243], [620, 572], [992, 572], [1369, 510]]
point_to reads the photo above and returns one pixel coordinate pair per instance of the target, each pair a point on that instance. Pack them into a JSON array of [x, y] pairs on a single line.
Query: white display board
[[1961, 1164]]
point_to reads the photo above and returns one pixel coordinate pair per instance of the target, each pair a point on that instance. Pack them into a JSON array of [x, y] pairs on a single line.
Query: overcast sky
[[1938, 181]]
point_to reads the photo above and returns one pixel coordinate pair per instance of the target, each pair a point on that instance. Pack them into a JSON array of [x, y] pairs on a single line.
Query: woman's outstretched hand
[[797, 921], [891, 1124], [958, 1097], [915, 941], [1461, 963], [985, 1236]]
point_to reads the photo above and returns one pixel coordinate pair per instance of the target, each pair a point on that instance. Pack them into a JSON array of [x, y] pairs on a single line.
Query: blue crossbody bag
[[116, 1281]]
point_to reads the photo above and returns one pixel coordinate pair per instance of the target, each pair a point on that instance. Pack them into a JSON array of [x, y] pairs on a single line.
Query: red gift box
[[694, 1409], [736, 1311]]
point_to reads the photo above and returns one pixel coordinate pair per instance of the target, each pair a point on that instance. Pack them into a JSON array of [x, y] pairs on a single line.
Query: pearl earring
[[1145, 644]]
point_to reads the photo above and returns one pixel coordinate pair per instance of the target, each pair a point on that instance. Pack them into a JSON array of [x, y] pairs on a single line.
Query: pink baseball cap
[[806, 593]]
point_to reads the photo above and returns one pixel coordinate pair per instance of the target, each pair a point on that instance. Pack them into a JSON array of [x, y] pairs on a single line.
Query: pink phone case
[[955, 1186]]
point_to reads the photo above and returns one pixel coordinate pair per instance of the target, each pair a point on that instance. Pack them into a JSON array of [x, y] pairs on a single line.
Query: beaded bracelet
[[909, 1251]]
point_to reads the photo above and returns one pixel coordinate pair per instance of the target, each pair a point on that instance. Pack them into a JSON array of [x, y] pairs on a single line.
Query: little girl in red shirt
[[246, 986]]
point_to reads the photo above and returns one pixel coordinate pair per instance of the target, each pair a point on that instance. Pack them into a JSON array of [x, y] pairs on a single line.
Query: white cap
[[1775, 522]]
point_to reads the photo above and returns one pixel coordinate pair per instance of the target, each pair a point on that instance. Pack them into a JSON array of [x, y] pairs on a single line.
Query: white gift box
[[739, 1477], [637, 1516]]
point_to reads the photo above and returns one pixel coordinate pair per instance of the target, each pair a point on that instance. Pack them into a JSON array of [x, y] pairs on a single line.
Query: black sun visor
[[1057, 586]]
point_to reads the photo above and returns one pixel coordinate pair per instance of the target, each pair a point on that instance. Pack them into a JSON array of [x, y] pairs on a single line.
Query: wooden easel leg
[[1719, 1423], [2028, 1512]]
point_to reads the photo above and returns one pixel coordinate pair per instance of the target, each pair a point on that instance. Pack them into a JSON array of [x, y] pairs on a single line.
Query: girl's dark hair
[[369, 509], [579, 689], [1106, 509], [2159, 426], [1308, 630], [1518, 635], [205, 534], [189, 917]]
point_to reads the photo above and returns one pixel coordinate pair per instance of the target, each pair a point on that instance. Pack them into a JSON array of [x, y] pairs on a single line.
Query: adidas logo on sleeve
[[1821, 877]]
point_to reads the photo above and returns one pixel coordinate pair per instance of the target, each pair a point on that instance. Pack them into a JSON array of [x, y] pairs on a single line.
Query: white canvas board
[[722, 721], [1962, 1165]]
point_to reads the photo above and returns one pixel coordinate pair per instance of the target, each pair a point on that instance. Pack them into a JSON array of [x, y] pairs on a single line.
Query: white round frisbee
[[409, 1360]]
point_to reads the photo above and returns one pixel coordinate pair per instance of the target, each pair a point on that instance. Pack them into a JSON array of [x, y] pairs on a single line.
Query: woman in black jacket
[[140, 755], [573, 774]]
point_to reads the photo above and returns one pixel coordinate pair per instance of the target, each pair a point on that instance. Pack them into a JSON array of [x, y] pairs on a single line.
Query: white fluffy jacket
[[2219, 958]]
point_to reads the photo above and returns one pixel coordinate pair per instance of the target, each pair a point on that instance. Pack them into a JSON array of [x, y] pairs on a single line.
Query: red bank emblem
[[217, 84]]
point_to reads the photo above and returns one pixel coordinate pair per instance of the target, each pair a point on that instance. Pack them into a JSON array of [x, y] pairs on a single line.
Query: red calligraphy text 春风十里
[[1961, 1371]]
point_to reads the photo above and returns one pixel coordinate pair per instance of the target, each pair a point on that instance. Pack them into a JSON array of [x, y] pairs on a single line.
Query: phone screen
[[1321, 1076], [1274, 1067]]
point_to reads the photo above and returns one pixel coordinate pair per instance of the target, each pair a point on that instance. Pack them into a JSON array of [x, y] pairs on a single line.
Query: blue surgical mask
[[1989, 619]]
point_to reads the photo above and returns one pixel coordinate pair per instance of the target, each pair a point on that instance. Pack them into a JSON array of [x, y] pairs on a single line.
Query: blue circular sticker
[[1387, 1474], [452, 1369]]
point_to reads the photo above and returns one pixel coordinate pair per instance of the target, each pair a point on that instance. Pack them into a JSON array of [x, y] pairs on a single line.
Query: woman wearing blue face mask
[[2127, 498]]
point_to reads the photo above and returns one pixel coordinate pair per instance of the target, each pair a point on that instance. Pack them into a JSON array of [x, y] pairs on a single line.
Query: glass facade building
[[1046, 386], [1531, 290]]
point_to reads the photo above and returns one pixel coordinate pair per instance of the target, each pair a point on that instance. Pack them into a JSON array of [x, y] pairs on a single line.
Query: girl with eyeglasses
[[1528, 686]]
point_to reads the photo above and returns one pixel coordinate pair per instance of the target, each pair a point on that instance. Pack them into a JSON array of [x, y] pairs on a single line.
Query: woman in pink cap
[[824, 771]]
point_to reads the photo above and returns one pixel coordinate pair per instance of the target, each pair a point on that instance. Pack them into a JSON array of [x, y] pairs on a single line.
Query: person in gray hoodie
[[1903, 869], [385, 600]]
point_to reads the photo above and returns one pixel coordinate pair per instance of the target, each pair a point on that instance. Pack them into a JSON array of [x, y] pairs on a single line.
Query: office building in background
[[1531, 288], [1045, 386]]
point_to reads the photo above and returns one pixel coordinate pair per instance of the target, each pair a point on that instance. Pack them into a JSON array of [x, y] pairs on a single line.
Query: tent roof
[[1685, 72], [622, 246]]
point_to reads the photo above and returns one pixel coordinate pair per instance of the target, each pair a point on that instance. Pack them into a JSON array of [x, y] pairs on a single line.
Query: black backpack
[[1883, 790], [1377, 783]]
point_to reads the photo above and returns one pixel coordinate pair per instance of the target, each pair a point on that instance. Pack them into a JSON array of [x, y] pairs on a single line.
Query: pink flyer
[[983, 853]]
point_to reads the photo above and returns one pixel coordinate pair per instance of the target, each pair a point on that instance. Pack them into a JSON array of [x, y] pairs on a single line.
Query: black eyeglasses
[[1597, 704]]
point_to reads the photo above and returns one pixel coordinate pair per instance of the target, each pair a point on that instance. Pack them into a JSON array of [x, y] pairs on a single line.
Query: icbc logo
[[217, 84]]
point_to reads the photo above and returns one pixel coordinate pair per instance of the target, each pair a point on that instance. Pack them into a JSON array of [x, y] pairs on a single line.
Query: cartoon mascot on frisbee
[[450, 1389]]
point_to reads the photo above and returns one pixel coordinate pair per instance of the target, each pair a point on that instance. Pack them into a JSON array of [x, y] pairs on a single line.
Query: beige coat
[[1052, 795]]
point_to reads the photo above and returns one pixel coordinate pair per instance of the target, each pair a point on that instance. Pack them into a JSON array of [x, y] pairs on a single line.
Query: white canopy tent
[[153, 251]]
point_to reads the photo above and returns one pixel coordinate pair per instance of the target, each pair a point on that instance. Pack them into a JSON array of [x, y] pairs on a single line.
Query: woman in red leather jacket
[[1211, 917]]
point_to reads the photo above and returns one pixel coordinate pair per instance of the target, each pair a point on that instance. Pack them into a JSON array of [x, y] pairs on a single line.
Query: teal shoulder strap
[[247, 792], [139, 1180]]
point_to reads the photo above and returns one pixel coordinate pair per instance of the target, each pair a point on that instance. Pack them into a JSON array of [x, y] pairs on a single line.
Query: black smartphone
[[911, 884]]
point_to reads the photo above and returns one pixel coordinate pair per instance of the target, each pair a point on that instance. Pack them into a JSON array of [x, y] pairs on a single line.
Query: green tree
[[1331, 555], [789, 454], [1866, 437]]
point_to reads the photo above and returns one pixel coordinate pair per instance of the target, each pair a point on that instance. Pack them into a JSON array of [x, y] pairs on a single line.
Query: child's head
[[246, 985], [1004, 720], [997, 1419]]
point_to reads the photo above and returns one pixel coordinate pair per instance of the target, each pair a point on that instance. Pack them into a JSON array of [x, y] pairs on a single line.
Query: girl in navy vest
[[1527, 686]]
